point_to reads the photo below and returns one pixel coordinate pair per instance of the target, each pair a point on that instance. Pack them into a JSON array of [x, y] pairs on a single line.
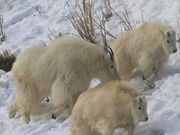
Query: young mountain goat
[[101, 110]]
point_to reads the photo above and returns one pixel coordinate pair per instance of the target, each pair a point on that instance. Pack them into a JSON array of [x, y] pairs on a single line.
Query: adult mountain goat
[[144, 51], [62, 70], [103, 109]]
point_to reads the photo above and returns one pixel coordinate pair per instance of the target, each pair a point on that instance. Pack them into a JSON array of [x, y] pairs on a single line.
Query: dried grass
[[178, 31], [2, 31], [82, 20], [126, 21], [86, 23], [6, 60]]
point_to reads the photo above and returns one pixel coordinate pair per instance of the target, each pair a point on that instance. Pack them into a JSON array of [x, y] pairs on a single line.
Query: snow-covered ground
[[26, 27]]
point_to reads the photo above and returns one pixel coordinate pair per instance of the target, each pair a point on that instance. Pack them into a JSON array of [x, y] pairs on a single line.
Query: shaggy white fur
[[113, 105], [144, 51], [62, 70]]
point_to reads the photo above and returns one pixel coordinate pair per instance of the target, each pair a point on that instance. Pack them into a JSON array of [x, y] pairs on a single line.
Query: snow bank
[[31, 22]]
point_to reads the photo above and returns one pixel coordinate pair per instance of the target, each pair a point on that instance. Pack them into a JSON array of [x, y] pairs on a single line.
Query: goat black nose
[[146, 119], [175, 50]]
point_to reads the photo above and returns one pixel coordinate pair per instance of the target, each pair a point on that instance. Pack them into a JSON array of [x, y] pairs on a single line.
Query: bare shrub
[[86, 23], [100, 24], [37, 9], [178, 31], [126, 21], [53, 34], [6, 60], [2, 31], [82, 20]]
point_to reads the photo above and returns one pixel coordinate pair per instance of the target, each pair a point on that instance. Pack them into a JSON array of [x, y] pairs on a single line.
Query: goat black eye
[[139, 108], [111, 66], [167, 41]]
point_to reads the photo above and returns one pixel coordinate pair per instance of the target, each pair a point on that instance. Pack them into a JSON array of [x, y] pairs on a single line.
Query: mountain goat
[[62, 70], [144, 51], [101, 110]]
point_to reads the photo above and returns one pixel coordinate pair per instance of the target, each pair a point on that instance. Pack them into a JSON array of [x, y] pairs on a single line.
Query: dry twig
[[2, 31], [37, 9], [127, 23], [82, 21], [6, 60], [178, 31]]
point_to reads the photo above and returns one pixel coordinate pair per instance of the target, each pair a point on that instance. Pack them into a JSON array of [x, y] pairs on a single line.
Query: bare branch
[[2, 31], [126, 23], [101, 25], [6, 60], [82, 21], [36, 8], [178, 31]]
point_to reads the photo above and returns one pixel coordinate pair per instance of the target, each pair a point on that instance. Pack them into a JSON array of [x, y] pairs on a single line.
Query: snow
[[32, 22]]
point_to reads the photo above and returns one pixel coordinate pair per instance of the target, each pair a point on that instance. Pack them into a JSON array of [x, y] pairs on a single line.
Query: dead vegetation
[[37, 9], [101, 26], [178, 31], [82, 20], [2, 31], [89, 24], [127, 23], [6, 60], [53, 34]]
